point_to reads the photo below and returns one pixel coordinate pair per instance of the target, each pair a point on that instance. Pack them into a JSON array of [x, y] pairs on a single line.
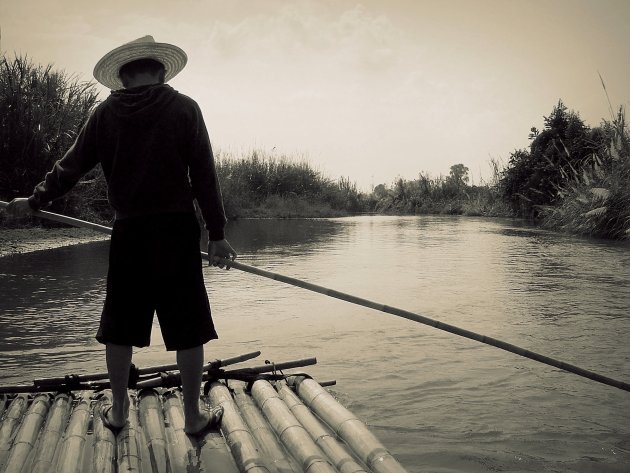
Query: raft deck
[[271, 424]]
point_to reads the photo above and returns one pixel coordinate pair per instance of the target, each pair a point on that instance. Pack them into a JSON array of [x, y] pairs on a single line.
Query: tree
[[556, 154], [458, 175]]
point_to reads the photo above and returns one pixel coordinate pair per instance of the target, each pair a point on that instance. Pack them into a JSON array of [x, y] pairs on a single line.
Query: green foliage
[[41, 111], [564, 147]]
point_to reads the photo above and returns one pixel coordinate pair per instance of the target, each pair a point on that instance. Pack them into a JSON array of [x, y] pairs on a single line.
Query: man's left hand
[[220, 249]]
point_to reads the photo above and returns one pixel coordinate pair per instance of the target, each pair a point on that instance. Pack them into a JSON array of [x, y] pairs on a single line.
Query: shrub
[[596, 200]]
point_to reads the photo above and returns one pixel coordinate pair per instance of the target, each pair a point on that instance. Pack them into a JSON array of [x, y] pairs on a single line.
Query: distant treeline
[[572, 177]]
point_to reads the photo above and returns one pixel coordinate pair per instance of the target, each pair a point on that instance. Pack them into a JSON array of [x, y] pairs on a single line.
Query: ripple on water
[[439, 403]]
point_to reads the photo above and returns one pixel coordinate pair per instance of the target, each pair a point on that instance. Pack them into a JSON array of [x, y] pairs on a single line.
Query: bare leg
[[190, 364], [118, 365]]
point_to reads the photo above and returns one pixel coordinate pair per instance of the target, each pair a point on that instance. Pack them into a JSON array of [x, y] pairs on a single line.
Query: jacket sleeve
[[78, 160], [204, 180]]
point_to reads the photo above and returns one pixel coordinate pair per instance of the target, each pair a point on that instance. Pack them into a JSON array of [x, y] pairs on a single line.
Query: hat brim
[[106, 70]]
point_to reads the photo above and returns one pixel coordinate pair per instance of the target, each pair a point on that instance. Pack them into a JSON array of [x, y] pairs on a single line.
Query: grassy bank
[[572, 177], [259, 185], [447, 195]]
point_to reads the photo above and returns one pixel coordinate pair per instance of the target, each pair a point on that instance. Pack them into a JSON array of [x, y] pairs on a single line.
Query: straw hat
[[106, 70]]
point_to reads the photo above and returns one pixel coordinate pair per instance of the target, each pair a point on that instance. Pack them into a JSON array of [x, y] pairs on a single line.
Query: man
[[154, 149]]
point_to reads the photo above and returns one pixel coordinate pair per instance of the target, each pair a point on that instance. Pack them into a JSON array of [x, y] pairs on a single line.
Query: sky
[[366, 89]]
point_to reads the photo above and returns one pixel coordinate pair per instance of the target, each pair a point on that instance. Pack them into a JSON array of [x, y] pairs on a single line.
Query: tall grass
[[595, 201], [41, 111], [260, 185]]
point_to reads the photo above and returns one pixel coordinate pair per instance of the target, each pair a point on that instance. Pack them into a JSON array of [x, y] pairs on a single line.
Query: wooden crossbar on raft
[[376, 306]]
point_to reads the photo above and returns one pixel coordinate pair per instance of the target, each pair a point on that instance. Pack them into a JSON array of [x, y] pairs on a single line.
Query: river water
[[440, 403]]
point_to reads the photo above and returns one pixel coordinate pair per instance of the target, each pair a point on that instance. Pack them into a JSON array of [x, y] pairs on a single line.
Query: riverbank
[[25, 240]]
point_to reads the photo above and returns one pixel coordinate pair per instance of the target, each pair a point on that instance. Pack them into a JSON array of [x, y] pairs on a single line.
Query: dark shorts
[[155, 266]]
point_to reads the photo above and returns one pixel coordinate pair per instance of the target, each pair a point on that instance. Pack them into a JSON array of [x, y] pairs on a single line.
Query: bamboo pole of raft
[[54, 428], [269, 367], [321, 435], [215, 364], [181, 450], [278, 457], [10, 424], [152, 422], [348, 427], [27, 434], [104, 457], [244, 448], [377, 306], [128, 442], [72, 449], [3, 404], [291, 432], [188, 453]]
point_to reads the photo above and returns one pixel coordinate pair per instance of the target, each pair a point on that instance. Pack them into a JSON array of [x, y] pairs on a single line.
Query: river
[[439, 402]]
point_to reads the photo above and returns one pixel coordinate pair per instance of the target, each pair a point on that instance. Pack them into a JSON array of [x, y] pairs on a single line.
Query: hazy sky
[[367, 89]]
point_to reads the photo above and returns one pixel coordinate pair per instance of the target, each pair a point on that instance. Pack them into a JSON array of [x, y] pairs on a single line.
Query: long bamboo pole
[[380, 307], [82, 378]]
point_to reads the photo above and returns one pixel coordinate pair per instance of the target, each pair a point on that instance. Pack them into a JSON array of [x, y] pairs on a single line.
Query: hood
[[140, 102]]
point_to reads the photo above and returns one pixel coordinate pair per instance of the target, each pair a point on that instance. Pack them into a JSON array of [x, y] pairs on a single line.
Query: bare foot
[[115, 416], [206, 418]]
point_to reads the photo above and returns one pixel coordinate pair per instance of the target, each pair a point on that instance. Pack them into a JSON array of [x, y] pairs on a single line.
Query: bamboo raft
[[272, 423]]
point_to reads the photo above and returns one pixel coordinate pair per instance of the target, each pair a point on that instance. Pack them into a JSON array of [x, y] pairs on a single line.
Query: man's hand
[[19, 208], [220, 249]]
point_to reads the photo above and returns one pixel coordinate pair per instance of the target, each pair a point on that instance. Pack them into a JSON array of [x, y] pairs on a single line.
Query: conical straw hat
[[106, 70]]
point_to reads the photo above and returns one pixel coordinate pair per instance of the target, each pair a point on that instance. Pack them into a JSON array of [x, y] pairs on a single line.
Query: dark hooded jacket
[[156, 156]]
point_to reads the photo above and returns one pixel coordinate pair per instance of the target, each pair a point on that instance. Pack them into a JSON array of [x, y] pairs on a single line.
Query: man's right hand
[[19, 207]]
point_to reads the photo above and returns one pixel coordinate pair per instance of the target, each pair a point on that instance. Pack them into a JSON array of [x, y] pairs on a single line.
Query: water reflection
[[297, 236]]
